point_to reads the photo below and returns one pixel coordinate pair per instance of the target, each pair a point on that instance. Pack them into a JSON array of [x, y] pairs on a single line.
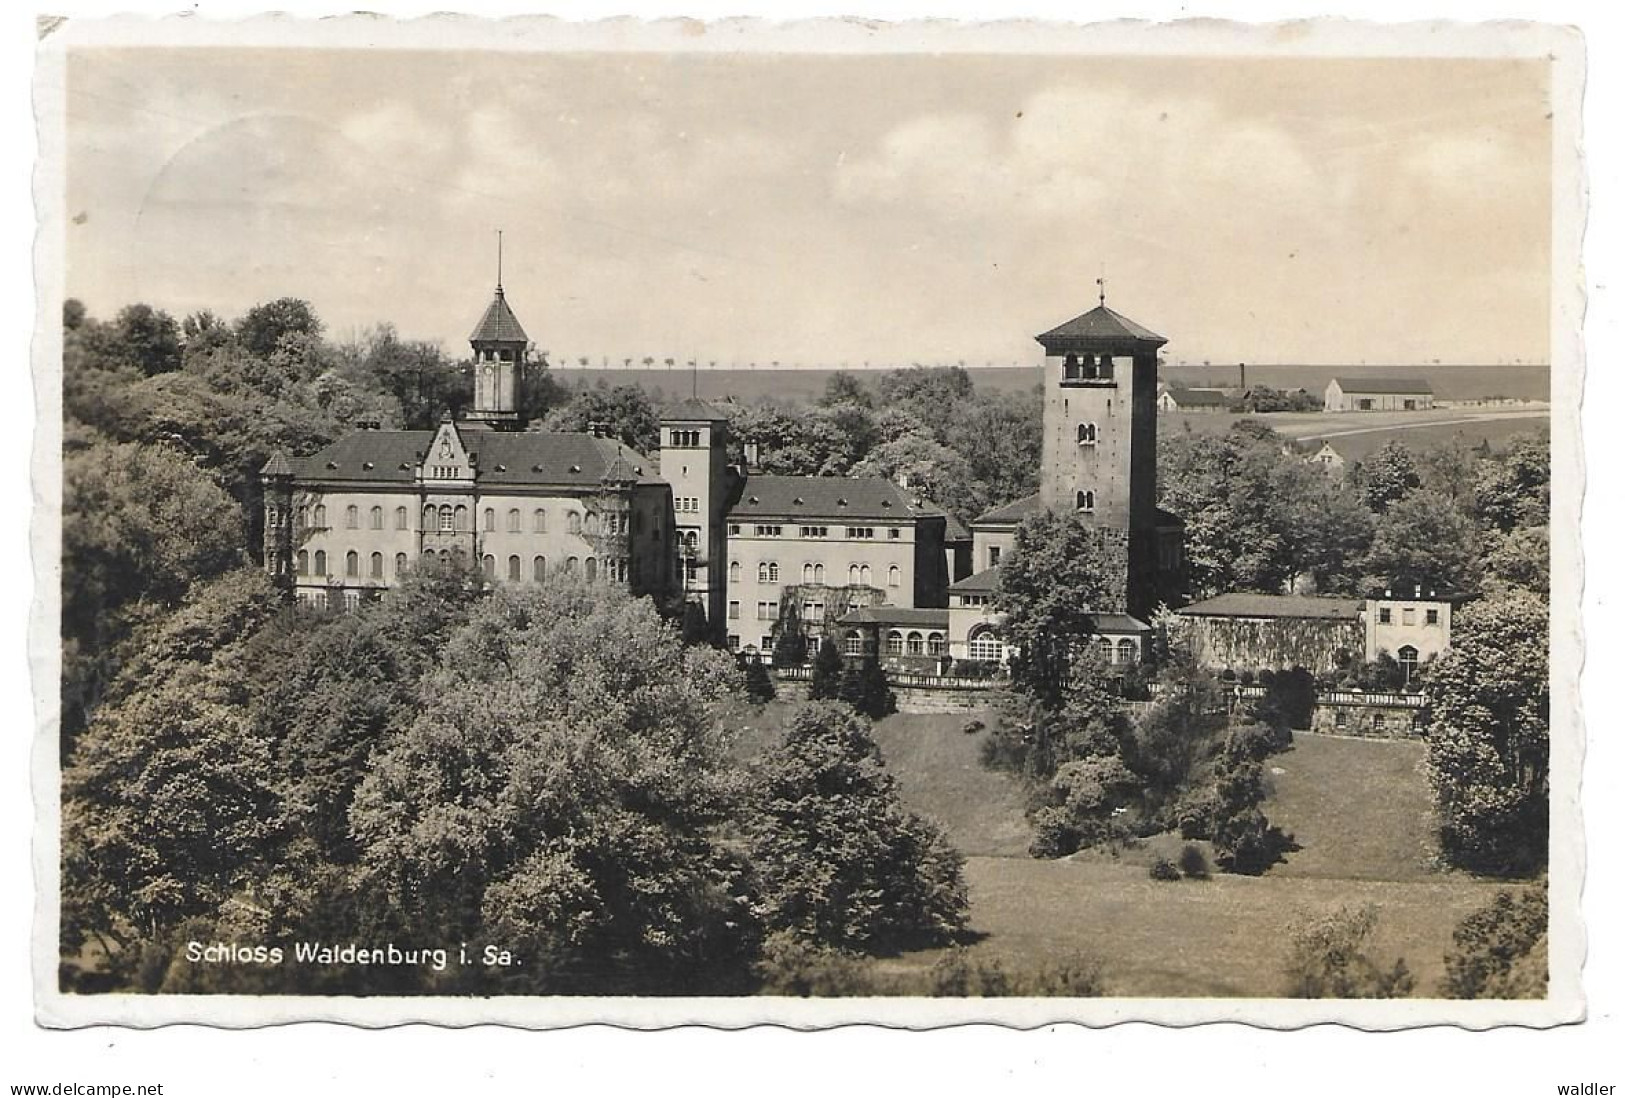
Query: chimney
[[1243, 379], [752, 452]]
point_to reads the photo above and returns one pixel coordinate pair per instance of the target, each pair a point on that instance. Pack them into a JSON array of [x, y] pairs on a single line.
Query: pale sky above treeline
[[827, 210]]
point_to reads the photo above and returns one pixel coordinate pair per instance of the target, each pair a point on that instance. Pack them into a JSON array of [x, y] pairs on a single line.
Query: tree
[[864, 687], [1499, 951], [1387, 476], [839, 861], [1489, 747], [925, 466], [167, 803], [264, 329], [1423, 539], [1514, 488], [826, 673], [790, 641], [147, 338], [845, 388], [1050, 585], [625, 410], [1522, 557], [1329, 959], [758, 683], [561, 792]]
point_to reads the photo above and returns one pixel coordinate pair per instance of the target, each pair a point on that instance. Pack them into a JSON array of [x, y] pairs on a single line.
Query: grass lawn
[[1229, 936], [1357, 434]]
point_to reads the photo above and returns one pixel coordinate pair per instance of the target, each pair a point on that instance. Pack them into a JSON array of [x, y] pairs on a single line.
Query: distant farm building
[[1328, 458], [1180, 398], [1378, 394]]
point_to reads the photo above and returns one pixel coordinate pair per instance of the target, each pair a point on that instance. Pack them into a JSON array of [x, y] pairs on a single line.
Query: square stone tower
[[1100, 442]]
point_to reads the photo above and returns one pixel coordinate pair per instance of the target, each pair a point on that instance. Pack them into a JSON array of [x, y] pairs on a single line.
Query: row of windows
[[684, 438], [857, 533], [315, 564], [686, 504], [449, 518], [1407, 616], [768, 572], [914, 643]]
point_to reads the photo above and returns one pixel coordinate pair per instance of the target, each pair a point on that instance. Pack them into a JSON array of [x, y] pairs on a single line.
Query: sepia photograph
[[674, 522]]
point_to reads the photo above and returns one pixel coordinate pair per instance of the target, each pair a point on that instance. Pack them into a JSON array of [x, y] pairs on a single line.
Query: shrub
[[958, 975], [971, 727], [789, 966], [1193, 863], [1328, 960], [1500, 949], [758, 683], [1195, 813], [1055, 833], [826, 676], [1163, 869]]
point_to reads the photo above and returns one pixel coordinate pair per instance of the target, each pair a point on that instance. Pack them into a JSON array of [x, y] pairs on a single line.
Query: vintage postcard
[[807, 523]]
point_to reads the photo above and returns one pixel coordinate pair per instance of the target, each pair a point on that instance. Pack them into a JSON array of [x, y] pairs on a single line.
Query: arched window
[[761, 572], [1408, 660], [490, 518], [376, 566], [541, 520], [934, 645], [352, 517], [321, 562], [806, 573], [985, 646], [1086, 434], [321, 516], [852, 645], [301, 563], [1127, 651], [446, 519], [570, 566], [445, 559], [916, 644], [377, 517], [516, 570], [863, 575], [733, 571], [429, 518], [592, 523], [1086, 500], [400, 518], [818, 573], [488, 565], [592, 569], [772, 571], [572, 519], [538, 569], [852, 575], [400, 563], [894, 576], [1108, 650], [352, 563], [513, 520], [460, 518], [894, 643]]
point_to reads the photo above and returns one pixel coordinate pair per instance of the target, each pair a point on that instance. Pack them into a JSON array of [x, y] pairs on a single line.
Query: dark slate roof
[[957, 531], [503, 457], [897, 615], [1198, 398], [1012, 512], [692, 410], [1242, 605], [984, 582], [832, 498], [498, 323], [1105, 326], [1383, 385], [1119, 623]]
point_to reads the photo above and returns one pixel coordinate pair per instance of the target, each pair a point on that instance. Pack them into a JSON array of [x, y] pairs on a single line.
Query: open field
[[1357, 807], [1356, 434], [1523, 382]]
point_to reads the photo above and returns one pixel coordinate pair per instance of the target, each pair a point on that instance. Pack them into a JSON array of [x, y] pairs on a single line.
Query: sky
[[826, 210]]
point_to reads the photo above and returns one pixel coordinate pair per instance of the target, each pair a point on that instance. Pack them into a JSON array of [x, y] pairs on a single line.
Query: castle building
[[347, 521]]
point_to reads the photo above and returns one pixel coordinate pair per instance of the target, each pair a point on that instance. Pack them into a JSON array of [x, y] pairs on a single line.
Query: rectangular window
[[992, 555], [733, 642], [895, 533], [815, 531], [1433, 617], [768, 531], [861, 532], [767, 644], [733, 528], [733, 611], [761, 611], [1408, 615], [1385, 616]]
